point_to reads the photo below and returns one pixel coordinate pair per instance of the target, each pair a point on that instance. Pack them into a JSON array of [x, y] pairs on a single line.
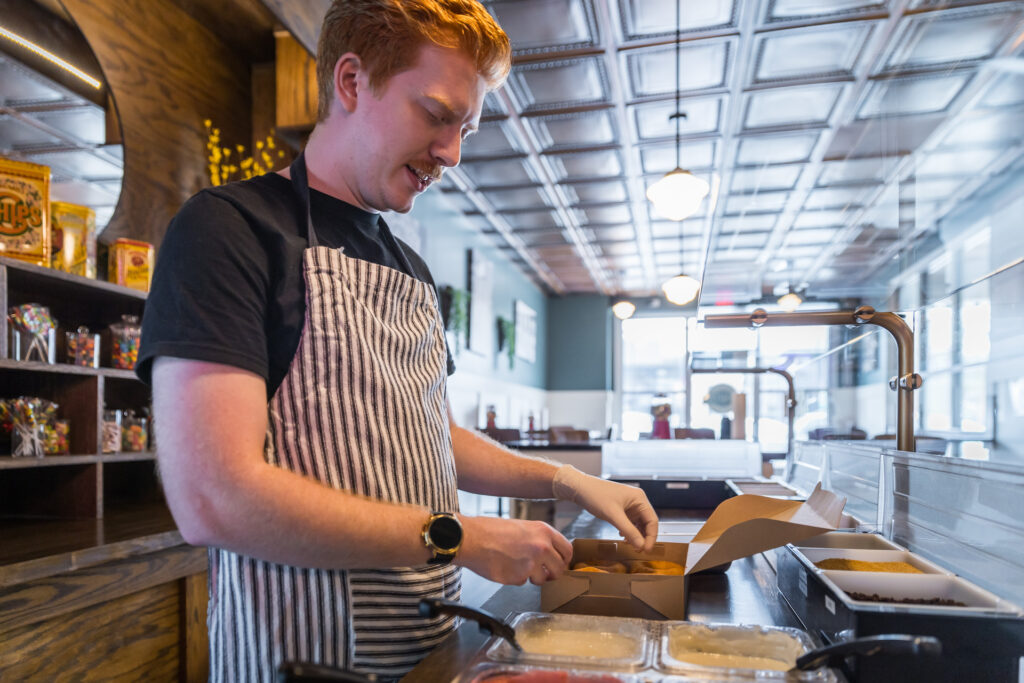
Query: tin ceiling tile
[[853, 171], [813, 236], [575, 130], [913, 95], [703, 65], [748, 222], [757, 202], [81, 164], [494, 139], [85, 124], [576, 165], [1007, 90], [765, 178], [518, 198], [499, 172], [956, 163], [604, 215], [820, 218], [565, 83], [596, 192], [546, 25], [823, 51], [775, 149], [835, 198], [644, 18], [996, 128], [951, 37], [798, 105], [703, 116], [693, 155], [791, 10], [15, 134]]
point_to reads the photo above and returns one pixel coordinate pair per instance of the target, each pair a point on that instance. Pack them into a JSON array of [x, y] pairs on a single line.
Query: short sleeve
[[209, 292]]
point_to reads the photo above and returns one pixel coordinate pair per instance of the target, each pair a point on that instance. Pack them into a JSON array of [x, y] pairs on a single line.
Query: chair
[[503, 435], [570, 436], [693, 433]]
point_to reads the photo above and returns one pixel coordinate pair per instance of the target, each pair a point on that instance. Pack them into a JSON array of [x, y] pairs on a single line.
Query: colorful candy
[[82, 347], [125, 336]]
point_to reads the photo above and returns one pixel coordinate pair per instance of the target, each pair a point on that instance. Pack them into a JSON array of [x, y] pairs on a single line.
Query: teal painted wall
[[446, 236], [579, 331]]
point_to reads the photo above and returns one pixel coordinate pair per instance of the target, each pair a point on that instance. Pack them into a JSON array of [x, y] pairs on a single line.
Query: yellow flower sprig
[[223, 169]]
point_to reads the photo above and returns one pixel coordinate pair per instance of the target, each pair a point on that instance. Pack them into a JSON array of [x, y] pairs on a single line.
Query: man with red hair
[[298, 363]]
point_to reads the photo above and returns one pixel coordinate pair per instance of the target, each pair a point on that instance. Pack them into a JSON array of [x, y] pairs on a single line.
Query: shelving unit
[[87, 499]]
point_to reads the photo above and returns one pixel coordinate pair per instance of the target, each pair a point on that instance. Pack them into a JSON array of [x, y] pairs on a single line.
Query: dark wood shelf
[[65, 369], [9, 463], [52, 281], [36, 548]]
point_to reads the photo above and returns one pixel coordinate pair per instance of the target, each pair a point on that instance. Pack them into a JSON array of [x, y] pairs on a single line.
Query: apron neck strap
[[300, 182]]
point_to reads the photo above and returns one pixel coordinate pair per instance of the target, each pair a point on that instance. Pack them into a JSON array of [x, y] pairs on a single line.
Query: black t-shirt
[[228, 286]]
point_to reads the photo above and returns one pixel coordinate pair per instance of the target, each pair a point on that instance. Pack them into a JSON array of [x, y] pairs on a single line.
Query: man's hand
[[512, 551], [625, 507]]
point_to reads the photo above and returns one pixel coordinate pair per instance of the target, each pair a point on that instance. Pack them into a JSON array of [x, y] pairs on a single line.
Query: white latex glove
[[625, 507]]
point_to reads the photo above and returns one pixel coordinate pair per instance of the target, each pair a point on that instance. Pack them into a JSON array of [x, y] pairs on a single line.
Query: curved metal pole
[[906, 381], [790, 395]]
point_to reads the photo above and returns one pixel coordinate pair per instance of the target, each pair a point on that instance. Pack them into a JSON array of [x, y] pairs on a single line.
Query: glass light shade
[[789, 302], [681, 289], [623, 309], [678, 195]]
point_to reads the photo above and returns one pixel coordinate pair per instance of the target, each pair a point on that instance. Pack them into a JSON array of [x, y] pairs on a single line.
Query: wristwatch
[[442, 534]]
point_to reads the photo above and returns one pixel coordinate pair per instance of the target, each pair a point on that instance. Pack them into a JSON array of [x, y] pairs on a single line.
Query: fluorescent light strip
[[49, 56]]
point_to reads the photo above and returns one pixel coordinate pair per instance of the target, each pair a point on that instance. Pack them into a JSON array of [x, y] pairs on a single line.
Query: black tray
[[976, 646], [681, 493]]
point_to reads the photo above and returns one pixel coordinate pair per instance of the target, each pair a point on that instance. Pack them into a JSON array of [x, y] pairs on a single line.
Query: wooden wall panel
[[167, 72], [132, 638], [295, 84]]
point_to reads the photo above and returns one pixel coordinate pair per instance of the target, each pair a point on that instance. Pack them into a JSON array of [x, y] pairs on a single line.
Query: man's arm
[[212, 424], [485, 466]]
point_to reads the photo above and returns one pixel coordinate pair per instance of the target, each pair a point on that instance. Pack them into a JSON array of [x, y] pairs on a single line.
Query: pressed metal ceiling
[[814, 122]]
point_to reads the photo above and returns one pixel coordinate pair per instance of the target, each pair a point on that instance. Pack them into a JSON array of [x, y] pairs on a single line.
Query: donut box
[[738, 527]]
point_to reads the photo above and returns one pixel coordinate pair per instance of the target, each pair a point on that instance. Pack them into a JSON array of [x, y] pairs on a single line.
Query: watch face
[[446, 533]]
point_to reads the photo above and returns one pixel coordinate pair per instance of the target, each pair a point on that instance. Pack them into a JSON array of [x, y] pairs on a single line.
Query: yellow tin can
[[25, 211], [130, 264], [73, 238]]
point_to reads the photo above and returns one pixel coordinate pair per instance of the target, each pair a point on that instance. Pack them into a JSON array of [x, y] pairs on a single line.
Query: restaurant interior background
[[858, 153]]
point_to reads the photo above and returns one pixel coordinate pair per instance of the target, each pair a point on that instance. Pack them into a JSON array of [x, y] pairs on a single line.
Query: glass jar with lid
[[83, 348], [124, 342], [111, 431], [133, 432]]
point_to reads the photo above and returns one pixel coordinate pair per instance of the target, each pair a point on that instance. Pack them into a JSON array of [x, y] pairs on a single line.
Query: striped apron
[[361, 409]]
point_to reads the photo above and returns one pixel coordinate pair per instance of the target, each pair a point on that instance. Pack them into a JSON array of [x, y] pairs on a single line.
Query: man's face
[[414, 127]]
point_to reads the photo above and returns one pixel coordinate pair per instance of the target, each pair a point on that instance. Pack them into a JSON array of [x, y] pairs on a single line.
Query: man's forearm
[[485, 466]]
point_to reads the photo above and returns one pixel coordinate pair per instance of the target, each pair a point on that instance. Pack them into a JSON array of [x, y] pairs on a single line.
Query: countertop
[[539, 445], [745, 594]]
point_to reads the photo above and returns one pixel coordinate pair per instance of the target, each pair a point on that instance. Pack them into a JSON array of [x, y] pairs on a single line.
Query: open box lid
[[749, 524]]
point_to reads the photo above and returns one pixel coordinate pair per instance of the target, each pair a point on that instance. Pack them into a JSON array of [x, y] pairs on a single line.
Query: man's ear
[[349, 80]]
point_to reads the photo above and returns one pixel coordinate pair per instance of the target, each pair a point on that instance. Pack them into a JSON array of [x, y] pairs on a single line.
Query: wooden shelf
[[48, 280], [36, 548], [64, 369], [9, 463]]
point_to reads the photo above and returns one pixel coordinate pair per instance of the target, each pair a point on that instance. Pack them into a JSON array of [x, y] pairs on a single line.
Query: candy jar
[[83, 348], [124, 342], [56, 437], [133, 432], [111, 431]]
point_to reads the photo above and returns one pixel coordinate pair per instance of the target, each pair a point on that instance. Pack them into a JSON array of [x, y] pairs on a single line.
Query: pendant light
[[624, 309], [678, 195], [790, 301]]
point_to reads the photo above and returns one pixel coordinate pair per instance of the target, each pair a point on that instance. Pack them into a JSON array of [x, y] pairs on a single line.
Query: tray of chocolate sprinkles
[[845, 585]]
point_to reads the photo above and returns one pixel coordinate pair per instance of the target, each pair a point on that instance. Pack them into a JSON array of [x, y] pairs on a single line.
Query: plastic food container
[[574, 640], [928, 592], [730, 652], [848, 539], [924, 566], [493, 673]]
